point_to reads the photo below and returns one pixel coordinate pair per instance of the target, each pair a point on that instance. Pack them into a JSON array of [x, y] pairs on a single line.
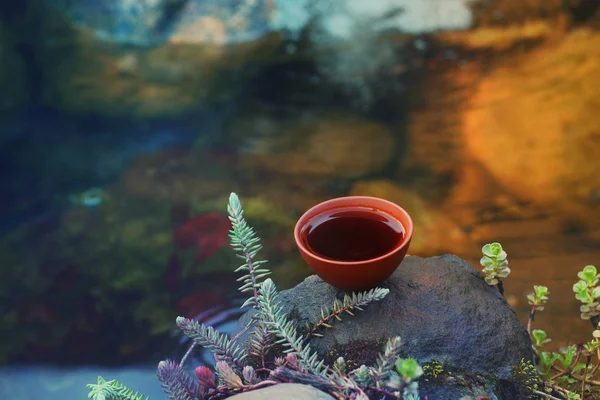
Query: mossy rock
[[87, 73], [443, 311]]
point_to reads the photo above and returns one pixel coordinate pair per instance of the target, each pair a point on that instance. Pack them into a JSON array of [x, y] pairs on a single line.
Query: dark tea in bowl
[[354, 242], [352, 234]]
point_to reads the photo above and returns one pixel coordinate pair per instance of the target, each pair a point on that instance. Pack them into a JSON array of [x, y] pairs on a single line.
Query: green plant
[[540, 337], [537, 300], [109, 390], [495, 264], [409, 371], [573, 371], [587, 292], [239, 369]]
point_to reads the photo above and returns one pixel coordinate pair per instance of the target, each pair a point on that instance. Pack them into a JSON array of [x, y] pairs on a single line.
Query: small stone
[[284, 391]]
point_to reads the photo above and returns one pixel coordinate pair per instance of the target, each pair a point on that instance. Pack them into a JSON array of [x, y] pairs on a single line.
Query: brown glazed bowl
[[355, 275]]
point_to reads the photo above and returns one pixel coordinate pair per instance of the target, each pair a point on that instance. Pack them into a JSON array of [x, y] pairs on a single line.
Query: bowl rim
[[408, 230]]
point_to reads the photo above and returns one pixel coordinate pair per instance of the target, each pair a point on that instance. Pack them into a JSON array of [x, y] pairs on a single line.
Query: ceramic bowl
[[355, 275]]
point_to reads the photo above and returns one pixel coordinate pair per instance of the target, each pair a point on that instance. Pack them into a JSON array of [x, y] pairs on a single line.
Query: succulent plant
[[587, 292], [494, 263], [539, 297], [537, 301], [571, 372]]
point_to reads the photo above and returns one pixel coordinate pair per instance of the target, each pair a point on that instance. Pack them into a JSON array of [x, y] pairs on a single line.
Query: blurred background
[[125, 124]]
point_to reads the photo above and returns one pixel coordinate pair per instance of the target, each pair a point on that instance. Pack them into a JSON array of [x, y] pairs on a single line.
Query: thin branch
[[531, 318], [576, 377], [187, 354], [546, 395]]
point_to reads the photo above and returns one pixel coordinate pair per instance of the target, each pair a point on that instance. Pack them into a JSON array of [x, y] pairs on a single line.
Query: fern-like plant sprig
[[112, 390], [386, 360], [260, 342], [176, 383], [246, 243], [355, 301], [217, 343], [273, 316]]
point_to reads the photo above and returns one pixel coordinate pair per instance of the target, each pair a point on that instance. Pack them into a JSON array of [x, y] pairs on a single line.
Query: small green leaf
[[585, 316], [573, 396], [539, 334], [494, 250], [584, 308], [487, 250], [504, 273], [547, 359], [588, 274], [539, 297], [591, 346], [582, 296], [540, 337], [578, 367], [569, 355], [501, 264], [580, 286], [540, 291], [491, 271], [491, 281], [486, 262], [408, 368]]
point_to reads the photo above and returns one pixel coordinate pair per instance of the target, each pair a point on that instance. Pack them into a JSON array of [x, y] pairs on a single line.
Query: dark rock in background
[[149, 59], [444, 312]]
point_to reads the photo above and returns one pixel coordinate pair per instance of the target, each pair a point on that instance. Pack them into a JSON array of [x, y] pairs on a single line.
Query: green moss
[[432, 371], [526, 375]]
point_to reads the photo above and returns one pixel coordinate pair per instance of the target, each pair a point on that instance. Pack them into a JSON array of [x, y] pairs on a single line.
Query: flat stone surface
[[284, 391]]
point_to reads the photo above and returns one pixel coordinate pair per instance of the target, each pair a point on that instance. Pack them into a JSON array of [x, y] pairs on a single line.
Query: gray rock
[[284, 391], [444, 312]]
